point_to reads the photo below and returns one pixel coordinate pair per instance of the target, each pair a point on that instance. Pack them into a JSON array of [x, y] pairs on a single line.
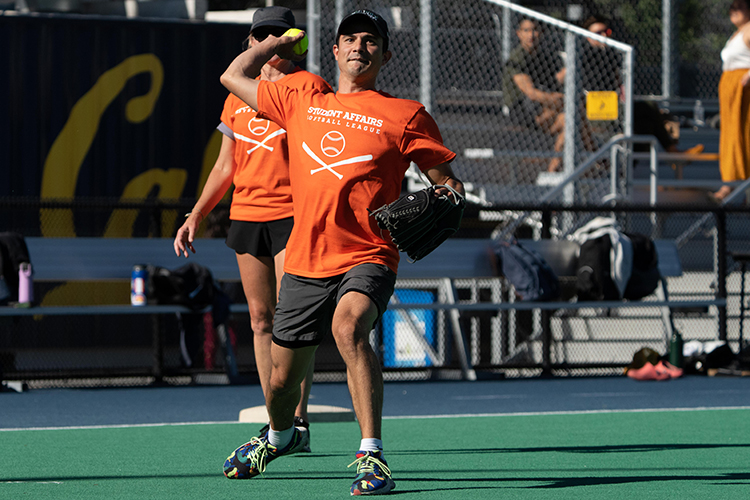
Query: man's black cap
[[372, 17], [279, 17]]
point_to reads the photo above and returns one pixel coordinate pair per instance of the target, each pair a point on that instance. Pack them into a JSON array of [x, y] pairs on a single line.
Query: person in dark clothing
[[600, 70], [532, 87]]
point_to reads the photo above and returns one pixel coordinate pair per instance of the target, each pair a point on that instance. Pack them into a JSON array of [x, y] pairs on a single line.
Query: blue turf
[[73, 407]]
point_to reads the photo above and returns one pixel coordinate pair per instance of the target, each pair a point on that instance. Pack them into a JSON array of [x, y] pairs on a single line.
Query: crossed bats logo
[[259, 126], [332, 145]]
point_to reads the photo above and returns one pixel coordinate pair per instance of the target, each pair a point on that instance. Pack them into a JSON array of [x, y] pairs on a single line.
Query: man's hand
[[456, 185], [554, 98], [284, 47]]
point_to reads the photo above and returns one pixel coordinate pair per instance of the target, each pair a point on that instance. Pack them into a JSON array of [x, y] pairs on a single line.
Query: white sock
[[280, 439], [371, 444]]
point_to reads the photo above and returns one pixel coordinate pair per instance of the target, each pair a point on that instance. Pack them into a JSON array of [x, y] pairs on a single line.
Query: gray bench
[[108, 259], [457, 260], [461, 259], [562, 257]]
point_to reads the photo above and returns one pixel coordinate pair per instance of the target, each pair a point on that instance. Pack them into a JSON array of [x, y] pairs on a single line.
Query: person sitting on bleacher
[[600, 70], [532, 81]]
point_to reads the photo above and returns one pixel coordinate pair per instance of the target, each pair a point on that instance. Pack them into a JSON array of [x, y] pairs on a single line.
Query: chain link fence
[[677, 42], [520, 97]]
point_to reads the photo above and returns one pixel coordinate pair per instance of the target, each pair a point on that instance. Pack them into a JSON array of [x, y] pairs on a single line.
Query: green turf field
[[633, 455]]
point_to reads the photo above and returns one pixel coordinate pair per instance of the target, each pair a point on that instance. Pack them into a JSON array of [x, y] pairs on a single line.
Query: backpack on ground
[[531, 276]]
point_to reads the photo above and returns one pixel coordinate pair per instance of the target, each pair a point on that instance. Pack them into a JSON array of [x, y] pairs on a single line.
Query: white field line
[[117, 426], [572, 412], [404, 417]]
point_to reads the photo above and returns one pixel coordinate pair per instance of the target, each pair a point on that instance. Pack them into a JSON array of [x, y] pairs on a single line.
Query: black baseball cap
[[372, 17], [278, 17]]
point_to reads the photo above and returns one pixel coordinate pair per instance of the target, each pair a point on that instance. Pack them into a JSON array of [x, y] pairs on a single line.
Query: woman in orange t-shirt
[[255, 159]]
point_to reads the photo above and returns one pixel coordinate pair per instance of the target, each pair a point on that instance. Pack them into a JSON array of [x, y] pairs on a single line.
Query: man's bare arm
[[240, 77], [443, 174], [526, 85]]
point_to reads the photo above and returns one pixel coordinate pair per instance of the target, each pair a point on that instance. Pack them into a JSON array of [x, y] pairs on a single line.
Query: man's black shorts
[[305, 309], [260, 239]]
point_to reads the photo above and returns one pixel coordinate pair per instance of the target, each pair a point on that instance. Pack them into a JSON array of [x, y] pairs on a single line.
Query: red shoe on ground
[[647, 372], [668, 368]]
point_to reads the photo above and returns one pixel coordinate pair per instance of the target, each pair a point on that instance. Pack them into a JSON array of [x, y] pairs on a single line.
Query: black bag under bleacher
[[193, 286], [190, 285], [645, 275], [532, 278]]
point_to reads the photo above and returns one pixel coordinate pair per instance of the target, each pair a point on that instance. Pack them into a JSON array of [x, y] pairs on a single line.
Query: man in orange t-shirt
[[348, 153], [254, 157]]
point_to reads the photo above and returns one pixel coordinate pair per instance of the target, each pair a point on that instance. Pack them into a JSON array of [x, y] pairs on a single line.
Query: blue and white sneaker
[[251, 458], [373, 474]]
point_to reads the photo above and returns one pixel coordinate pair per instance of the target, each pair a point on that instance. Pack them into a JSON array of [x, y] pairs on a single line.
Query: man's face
[[528, 34], [599, 29], [359, 51]]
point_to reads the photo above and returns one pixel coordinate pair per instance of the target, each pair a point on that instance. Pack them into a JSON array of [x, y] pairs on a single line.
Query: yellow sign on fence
[[602, 106]]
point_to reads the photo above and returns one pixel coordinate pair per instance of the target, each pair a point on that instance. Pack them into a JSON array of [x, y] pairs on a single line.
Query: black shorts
[[305, 309], [261, 239]]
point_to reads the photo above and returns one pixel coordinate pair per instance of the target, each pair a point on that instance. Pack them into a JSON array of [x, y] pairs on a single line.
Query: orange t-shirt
[[347, 153], [261, 179]]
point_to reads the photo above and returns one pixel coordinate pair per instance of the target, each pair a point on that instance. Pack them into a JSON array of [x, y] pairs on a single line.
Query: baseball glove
[[419, 222]]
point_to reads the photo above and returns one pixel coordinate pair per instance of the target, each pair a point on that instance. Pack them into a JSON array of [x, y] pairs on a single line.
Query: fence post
[[313, 34], [546, 314], [721, 278], [546, 343], [425, 54], [667, 49], [571, 115]]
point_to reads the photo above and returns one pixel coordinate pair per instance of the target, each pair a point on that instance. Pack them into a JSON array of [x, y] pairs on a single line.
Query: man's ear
[[335, 50], [387, 56]]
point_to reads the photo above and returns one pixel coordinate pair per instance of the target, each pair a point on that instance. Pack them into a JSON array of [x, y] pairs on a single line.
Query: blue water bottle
[[138, 285]]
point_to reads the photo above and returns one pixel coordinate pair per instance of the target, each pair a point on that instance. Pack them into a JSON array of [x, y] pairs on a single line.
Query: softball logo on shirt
[[332, 145], [259, 126]]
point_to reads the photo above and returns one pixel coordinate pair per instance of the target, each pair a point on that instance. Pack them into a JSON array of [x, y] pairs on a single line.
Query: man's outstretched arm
[[240, 77]]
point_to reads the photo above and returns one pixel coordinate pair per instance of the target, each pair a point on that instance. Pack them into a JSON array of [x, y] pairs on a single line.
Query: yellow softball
[[301, 46]]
